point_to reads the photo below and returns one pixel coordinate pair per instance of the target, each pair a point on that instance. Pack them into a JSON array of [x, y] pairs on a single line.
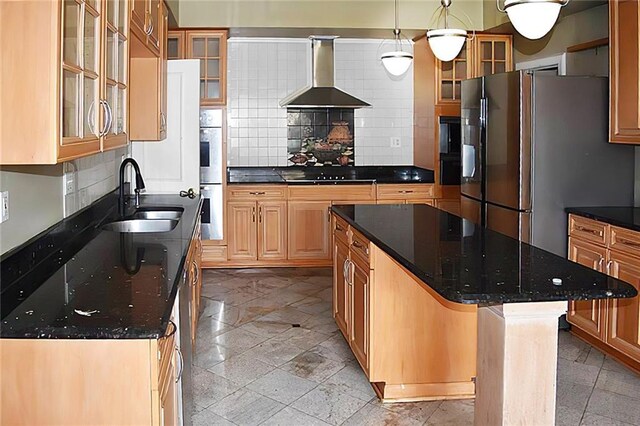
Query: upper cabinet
[[70, 99], [146, 22], [176, 45], [624, 72], [211, 48], [484, 54]]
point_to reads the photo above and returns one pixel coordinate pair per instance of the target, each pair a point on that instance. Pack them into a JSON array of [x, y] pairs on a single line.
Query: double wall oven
[[211, 173]]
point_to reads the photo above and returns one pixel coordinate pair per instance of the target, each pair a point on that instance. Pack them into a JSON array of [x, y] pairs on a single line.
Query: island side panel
[[63, 381], [422, 346]]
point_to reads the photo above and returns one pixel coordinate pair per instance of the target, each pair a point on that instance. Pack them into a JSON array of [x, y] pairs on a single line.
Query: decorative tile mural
[[320, 137]]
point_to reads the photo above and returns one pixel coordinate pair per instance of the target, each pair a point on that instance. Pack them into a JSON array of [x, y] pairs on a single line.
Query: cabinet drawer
[[588, 229], [211, 253], [344, 193], [340, 229], [624, 240], [360, 246], [263, 192], [404, 191]]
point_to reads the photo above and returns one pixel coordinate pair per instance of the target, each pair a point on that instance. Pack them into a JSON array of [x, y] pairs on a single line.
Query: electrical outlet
[[5, 207], [68, 186], [395, 142]]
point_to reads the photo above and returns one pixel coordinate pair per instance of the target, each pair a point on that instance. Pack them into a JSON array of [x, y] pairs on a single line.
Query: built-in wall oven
[[211, 173]]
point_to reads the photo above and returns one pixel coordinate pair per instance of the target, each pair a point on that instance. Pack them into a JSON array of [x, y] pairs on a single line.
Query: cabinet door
[[170, 399], [139, 11], [624, 72], [450, 75], [588, 315], [116, 66], [80, 76], [241, 225], [155, 23], [624, 314], [272, 230], [359, 332], [341, 287], [175, 45], [308, 232], [210, 47], [492, 54]]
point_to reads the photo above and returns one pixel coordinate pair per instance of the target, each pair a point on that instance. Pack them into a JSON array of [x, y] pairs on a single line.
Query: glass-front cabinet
[[493, 54], [210, 47], [450, 75]]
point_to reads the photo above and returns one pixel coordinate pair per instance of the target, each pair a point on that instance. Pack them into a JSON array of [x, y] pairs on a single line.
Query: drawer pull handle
[[181, 359], [590, 231], [406, 191], [628, 242], [357, 245], [257, 193]]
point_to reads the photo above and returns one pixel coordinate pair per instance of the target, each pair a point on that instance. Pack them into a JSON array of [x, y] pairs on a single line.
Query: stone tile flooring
[[253, 366]]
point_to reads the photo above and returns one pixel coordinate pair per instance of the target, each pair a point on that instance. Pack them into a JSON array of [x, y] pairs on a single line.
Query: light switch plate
[[4, 207]]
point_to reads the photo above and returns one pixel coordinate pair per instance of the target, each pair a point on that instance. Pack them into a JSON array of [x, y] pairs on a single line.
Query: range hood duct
[[322, 93]]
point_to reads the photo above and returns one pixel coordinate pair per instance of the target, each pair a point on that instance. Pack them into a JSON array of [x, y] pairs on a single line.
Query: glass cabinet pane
[[213, 89], [461, 70], [486, 49], [111, 100], [120, 114], [499, 50], [198, 48], [90, 107], [446, 90], [499, 67], [173, 48], [90, 42], [71, 12], [213, 48], [111, 11], [122, 60], [487, 69], [447, 70], [122, 16], [92, 3], [110, 53], [213, 68], [203, 71], [70, 104], [202, 87]]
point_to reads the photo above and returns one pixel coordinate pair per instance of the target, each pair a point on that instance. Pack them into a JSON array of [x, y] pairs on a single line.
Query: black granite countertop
[[466, 263], [127, 282], [329, 175], [625, 217]]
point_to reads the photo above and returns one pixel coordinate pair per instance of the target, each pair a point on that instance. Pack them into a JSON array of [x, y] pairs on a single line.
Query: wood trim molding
[[588, 45]]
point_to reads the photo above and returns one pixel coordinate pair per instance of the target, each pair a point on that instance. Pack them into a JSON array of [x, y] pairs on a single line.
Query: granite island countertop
[[329, 175], [625, 217], [466, 263], [96, 284]]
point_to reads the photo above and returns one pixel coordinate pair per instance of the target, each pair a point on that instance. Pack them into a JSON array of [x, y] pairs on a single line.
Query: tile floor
[[254, 367]]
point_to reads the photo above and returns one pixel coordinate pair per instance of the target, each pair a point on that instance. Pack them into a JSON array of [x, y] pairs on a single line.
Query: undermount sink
[[141, 225], [157, 213]]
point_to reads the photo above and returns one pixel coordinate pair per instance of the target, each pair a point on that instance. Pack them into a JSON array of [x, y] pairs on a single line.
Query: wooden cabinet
[[450, 206], [176, 46], [405, 194], [624, 71], [341, 300], [194, 279], [149, 84], [146, 23], [257, 230], [484, 54], [612, 325], [309, 230], [359, 297], [211, 48], [624, 314], [589, 315], [68, 97]]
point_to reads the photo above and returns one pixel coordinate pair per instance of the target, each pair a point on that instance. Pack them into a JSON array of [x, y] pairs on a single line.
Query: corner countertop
[[465, 263], [128, 281], [625, 217], [329, 175]]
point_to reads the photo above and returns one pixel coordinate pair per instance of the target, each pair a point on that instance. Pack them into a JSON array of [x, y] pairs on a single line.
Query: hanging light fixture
[[532, 18], [446, 43], [398, 61]]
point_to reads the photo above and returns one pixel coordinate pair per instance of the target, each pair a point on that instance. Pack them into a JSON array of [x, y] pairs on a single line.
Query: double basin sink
[[147, 219]]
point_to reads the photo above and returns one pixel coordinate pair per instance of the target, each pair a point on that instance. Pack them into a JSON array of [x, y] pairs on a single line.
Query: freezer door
[[471, 209], [513, 223], [507, 156], [471, 134]]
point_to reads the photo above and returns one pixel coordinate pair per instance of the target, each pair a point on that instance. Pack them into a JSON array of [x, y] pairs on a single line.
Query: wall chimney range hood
[[322, 93]]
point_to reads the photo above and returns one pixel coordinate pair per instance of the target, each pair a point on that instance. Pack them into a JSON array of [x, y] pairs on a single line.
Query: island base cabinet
[[359, 296], [309, 236], [340, 287]]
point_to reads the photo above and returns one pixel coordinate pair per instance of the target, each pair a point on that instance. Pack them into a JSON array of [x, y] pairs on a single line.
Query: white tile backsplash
[[261, 72], [90, 178]]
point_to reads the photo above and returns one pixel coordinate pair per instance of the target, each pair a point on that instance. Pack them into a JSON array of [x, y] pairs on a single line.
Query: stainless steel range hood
[[322, 93]]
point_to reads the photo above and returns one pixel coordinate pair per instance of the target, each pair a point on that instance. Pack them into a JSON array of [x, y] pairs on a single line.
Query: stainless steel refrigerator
[[533, 145], [211, 173]]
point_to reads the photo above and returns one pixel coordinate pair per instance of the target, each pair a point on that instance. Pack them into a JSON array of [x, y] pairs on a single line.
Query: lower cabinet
[[624, 314], [257, 230], [309, 236], [612, 325], [589, 315], [341, 302], [359, 288]]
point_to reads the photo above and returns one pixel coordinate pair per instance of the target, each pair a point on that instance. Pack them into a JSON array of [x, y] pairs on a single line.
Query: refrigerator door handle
[[483, 111], [468, 161]]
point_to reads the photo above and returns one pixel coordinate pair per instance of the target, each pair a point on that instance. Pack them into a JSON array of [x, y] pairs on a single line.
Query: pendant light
[[532, 18], [397, 61], [446, 43]]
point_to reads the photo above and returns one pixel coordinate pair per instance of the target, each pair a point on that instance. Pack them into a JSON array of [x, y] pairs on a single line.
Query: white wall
[[261, 72]]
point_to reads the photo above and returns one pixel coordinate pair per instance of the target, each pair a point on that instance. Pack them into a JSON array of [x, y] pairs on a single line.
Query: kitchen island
[[98, 326], [519, 292]]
